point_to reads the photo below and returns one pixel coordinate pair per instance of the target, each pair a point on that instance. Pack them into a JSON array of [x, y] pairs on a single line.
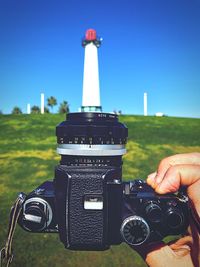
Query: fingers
[[182, 246], [177, 176], [177, 253], [157, 177], [166, 256], [182, 175], [173, 172], [178, 170]]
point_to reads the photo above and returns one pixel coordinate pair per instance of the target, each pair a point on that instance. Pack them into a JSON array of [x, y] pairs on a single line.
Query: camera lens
[[89, 138], [135, 230], [174, 218]]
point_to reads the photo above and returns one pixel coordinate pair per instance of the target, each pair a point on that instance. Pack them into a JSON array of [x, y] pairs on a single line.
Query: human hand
[[173, 172]]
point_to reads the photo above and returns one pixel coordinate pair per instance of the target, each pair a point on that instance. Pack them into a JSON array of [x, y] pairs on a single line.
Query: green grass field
[[28, 157]]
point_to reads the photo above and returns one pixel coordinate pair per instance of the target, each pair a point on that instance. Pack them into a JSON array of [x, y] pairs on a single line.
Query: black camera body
[[88, 204], [149, 217]]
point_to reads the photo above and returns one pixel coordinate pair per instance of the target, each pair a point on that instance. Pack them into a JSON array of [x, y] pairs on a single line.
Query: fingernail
[[182, 251], [152, 175], [150, 180], [158, 180]]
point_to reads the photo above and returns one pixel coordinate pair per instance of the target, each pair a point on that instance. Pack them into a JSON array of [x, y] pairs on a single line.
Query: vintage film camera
[[87, 203]]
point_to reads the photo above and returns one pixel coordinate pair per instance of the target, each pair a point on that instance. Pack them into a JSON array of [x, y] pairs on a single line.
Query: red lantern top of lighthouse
[[91, 37]]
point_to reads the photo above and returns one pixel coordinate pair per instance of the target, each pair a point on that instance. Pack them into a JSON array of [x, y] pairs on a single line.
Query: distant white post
[[28, 109], [42, 103], [145, 104]]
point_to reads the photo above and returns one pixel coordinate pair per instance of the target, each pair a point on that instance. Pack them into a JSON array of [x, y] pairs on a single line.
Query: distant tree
[[64, 107], [35, 110], [51, 101], [46, 110], [16, 110], [1, 112]]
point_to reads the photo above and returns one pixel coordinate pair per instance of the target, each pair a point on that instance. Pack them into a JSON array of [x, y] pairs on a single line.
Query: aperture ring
[[91, 150]]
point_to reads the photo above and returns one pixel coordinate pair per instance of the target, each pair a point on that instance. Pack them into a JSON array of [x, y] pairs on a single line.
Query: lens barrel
[[91, 134]]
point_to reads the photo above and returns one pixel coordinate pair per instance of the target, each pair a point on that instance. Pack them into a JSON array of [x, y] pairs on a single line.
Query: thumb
[[182, 246], [178, 256]]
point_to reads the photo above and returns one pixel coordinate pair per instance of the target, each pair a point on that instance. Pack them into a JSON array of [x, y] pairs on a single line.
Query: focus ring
[[91, 128]]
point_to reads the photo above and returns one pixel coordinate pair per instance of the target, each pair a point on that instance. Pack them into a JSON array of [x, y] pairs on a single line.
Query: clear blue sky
[[148, 46]]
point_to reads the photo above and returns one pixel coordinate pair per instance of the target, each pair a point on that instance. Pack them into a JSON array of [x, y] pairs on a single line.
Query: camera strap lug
[[6, 253]]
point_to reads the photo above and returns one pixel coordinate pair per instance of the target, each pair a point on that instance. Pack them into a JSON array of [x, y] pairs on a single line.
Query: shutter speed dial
[[135, 230]]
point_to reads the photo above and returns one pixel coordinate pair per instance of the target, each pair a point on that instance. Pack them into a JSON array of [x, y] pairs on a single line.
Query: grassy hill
[[28, 157]]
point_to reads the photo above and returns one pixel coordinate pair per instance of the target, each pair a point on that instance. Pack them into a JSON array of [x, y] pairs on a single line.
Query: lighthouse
[[91, 90]]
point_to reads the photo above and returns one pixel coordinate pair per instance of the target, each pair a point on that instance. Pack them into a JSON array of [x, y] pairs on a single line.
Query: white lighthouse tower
[[91, 90]]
